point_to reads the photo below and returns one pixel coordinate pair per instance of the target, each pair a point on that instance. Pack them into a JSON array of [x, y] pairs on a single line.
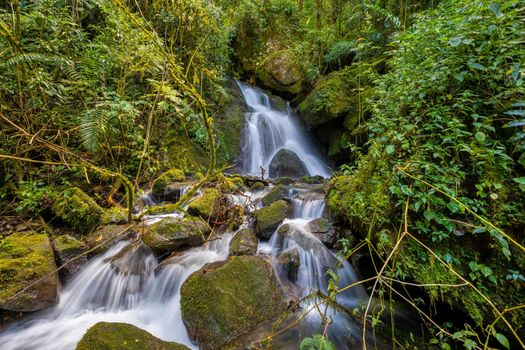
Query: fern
[[95, 126], [388, 16], [33, 57]]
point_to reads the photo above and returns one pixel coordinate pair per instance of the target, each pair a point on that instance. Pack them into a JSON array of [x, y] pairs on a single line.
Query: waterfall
[[268, 130], [126, 284]]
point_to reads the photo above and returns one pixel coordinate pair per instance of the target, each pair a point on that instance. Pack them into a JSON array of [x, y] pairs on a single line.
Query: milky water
[[269, 130]]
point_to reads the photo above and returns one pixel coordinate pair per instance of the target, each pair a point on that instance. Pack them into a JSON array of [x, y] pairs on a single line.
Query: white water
[[125, 284], [269, 130]]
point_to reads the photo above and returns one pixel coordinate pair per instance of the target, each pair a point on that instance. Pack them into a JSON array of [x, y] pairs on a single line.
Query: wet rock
[[173, 192], [206, 206], [69, 249], [26, 258], [323, 229], [176, 233], [112, 336], [160, 184], [277, 193], [78, 210], [114, 216], [289, 261], [251, 180], [267, 219], [317, 179], [283, 181], [257, 186], [106, 236], [287, 163], [279, 72], [244, 242], [224, 300]]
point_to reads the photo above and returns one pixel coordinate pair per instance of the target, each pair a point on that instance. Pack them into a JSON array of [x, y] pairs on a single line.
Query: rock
[[26, 258], [161, 183], [251, 180], [323, 229], [277, 193], [67, 248], [173, 233], [244, 242], [289, 261], [257, 186], [114, 216], [173, 192], [287, 163], [110, 234], [113, 336], [317, 179], [206, 206], [267, 219], [78, 210], [285, 180], [224, 300], [280, 73]]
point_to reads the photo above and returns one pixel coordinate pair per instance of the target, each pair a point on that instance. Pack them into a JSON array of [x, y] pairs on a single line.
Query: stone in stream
[[27, 258], [287, 163], [244, 242], [289, 260], [161, 184], [267, 219], [105, 236], [224, 300], [69, 250], [277, 193], [323, 229], [171, 234], [113, 336], [206, 205]]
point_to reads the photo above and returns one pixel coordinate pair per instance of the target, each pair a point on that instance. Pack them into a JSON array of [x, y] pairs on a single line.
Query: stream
[[128, 284]]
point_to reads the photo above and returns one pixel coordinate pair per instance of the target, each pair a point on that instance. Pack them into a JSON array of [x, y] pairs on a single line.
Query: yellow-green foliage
[[227, 299], [116, 336], [78, 210], [25, 257]]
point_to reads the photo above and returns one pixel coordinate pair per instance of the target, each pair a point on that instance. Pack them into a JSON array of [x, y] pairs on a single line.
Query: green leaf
[[520, 180], [390, 149], [503, 340], [494, 7], [481, 137]]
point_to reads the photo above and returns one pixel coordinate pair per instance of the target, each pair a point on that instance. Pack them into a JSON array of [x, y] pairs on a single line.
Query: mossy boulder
[[280, 72], [257, 186], [206, 205], [287, 163], [160, 184], [277, 193], [324, 230], [27, 258], [105, 236], [244, 242], [67, 248], [78, 210], [171, 234], [267, 219], [114, 216], [224, 300], [118, 336], [285, 180]]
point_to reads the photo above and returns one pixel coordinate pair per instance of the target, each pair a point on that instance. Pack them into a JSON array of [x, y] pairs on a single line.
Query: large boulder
[[289, 261], [26, 258], [206, 205], [171, 234], [287, 163], [224, 300], [105, 236], [78, 210], [69, 251], [323, 229], [280, 72], [244, 242], [277, 193], [116, 336], [267, 219], [161, 184]]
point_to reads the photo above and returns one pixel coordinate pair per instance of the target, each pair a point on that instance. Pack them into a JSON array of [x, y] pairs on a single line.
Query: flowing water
[[269, 130], [127, 283]]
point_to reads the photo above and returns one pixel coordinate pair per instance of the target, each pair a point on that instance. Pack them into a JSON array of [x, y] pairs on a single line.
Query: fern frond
[[32, 57]]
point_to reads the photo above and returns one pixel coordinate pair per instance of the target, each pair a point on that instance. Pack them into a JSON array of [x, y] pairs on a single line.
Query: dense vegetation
[[419, 103]]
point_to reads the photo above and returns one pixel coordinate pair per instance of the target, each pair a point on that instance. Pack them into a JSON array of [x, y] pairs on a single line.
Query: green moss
[[244, 242], [280, 72], [257, 186], [78, 210], [117, 336], [205, 206], [25, 258], [224, 300], [103, 234], [268, 218], [171, 233], [114, 215], [68, 246], [277, 193], [285, 180], [170, 176]]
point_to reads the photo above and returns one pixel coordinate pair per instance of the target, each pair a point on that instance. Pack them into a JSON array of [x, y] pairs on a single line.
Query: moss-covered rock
[[244, 242], [267, 219], [257, 186], [26, 258], [171, 234], [206, 205], [277, 193], [323, 229], [78, 210], [285, 180], [105, 236], [161, 183], [224, 300], [286, 163], [118, 336], [114, 216], [67, 248], [280, 72]]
